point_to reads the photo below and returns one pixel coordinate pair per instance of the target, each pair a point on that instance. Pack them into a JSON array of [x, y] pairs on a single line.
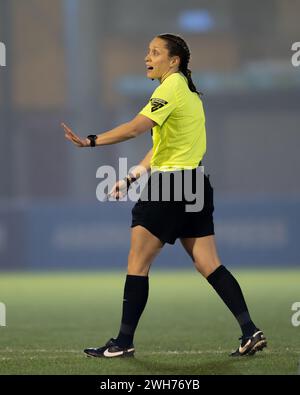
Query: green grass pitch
[[185, 328]]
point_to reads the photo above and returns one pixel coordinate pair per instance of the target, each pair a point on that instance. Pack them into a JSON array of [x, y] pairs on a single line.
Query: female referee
[[175, 115]]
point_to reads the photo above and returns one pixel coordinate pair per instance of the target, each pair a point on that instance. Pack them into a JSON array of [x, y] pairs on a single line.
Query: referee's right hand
[[70, 135]]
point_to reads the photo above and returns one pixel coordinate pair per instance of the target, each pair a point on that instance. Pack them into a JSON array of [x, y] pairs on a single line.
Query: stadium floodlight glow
[[2, 314], [196, 21], [2, 55]]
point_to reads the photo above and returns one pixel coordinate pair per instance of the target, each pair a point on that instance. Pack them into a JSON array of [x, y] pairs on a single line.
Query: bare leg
[[143, 249], [203, 252]]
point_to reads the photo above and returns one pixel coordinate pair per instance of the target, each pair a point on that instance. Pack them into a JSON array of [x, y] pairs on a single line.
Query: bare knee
[[203, 252], [206, 267]]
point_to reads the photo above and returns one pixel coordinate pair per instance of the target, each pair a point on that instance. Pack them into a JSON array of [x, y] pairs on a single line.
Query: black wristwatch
[[92, 138]]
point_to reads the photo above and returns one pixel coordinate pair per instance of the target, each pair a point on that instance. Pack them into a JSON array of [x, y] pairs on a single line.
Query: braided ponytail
[[188, 74], [178, 47]]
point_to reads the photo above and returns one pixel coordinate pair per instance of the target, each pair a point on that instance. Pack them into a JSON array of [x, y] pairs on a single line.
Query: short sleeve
[[161, 104]]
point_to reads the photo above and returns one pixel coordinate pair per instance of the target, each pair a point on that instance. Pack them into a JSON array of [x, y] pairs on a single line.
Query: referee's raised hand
[[70, 135]]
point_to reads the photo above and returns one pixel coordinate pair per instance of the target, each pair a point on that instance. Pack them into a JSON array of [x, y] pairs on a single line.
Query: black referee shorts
[[169, 220]]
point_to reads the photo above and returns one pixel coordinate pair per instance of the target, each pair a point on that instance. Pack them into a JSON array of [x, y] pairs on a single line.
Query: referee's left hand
[[119, 190], [70, 135]]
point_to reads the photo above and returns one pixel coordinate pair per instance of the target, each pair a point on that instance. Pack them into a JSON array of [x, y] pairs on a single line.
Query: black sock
[[229, 290], [135, 298]]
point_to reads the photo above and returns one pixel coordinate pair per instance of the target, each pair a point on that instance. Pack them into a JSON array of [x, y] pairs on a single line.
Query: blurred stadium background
[[82, 62]]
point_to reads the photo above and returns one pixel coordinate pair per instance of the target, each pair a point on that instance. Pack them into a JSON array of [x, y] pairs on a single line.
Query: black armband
[[92, 138], [130, 178]]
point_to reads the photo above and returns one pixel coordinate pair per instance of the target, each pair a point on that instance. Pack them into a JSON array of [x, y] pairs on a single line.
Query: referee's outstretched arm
[[140, 124]]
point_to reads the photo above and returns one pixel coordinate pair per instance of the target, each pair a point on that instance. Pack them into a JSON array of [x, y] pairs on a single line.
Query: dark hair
[[178, 47]]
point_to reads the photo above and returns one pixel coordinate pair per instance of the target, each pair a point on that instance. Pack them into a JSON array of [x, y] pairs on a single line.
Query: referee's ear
[[175, 61]]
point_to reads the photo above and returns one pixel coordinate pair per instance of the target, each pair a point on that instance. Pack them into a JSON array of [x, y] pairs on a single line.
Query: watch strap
[[92, 138]]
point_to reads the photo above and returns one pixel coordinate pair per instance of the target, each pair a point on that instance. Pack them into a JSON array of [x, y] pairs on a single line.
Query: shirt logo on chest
[[157, 103]]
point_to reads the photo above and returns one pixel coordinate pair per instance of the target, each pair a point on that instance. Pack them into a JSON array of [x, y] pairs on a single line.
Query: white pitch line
[[170, 352], [173, 352]]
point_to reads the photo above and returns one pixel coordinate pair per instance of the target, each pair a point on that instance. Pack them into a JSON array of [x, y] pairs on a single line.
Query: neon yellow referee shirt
[[179, 138]]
